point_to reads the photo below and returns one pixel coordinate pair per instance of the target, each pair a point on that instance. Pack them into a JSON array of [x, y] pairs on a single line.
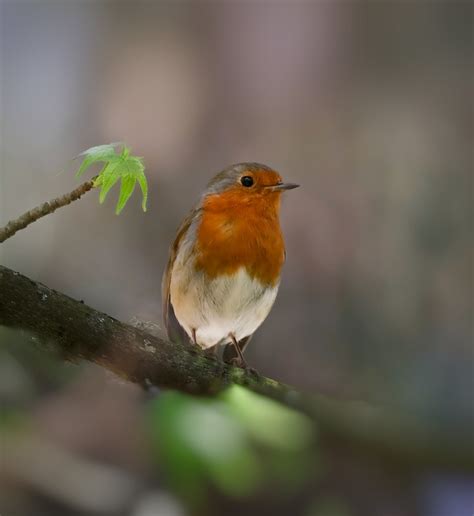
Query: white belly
[[235, 304]]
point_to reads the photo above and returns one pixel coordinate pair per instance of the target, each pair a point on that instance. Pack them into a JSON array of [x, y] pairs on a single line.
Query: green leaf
[[126, 190], [107, 180], [104, 153], [144, 188], [117, 167]]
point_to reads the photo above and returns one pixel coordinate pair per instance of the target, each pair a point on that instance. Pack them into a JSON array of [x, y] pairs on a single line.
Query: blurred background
[[368, 105]]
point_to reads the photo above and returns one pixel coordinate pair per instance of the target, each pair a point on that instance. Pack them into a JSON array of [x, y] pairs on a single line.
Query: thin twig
[[76, 332], [44, 209]]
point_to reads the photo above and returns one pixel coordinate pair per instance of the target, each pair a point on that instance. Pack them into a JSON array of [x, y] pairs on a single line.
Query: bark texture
[[74, 331]]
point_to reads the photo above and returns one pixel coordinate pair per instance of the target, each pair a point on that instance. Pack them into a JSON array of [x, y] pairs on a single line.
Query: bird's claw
[[237, 362]]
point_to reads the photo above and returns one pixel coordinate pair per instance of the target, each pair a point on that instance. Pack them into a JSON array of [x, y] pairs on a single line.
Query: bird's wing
[[229, 350], [173, 328]]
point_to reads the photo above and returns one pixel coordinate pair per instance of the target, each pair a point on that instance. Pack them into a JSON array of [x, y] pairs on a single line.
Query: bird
[[225, 263]]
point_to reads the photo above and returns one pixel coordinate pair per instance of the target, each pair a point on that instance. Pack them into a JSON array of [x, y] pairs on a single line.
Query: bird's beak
[[282, 186]]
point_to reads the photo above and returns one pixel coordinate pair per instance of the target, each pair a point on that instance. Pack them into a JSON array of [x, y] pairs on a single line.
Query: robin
[[224, 266]]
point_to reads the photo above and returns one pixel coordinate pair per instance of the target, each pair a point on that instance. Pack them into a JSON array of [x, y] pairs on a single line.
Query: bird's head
[[246, 183]]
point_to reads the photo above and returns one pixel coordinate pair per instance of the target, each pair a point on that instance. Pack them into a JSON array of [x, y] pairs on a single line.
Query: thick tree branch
[[44, 209], [76, 331]]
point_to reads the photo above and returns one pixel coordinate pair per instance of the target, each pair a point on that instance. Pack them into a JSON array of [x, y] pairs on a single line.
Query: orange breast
[[238, 230]]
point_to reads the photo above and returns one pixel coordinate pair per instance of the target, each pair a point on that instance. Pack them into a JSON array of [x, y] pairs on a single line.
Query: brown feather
[[169, 318]]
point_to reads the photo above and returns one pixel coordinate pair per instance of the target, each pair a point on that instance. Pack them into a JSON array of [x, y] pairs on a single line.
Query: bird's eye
[[247, 181]]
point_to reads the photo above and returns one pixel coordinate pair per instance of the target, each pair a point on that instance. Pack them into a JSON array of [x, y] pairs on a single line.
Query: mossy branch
[[75, 331]]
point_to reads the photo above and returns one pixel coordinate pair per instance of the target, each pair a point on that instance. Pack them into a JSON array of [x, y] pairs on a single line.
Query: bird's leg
[[240, 360], [193, 332], [229, 353]]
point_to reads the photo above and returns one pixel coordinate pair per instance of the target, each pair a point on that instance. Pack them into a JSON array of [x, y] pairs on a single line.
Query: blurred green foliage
[[236, 443], [329, 506]]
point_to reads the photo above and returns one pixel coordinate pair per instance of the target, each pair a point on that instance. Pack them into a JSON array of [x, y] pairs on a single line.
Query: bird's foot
[[239, 362]]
